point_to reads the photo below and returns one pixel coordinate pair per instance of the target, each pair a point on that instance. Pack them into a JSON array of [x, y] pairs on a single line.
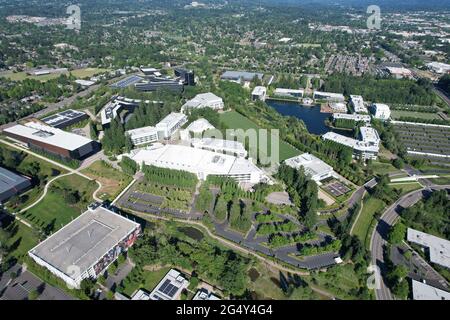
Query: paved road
[[441, 94], [379, 236]]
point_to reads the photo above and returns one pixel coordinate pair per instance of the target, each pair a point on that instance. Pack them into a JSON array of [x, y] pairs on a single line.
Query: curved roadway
[[379, 236]]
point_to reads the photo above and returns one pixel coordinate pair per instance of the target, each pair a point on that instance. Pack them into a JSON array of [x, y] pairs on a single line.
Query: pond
[[192, 233], [311, 116]]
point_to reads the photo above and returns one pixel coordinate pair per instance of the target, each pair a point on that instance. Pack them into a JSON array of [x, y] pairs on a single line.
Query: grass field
[[23, 239], [235, 120], [151, 279], [397, 114], [406, 187], [79, 73], [53, 211], [383, 168], [113, 181], [364, 221]]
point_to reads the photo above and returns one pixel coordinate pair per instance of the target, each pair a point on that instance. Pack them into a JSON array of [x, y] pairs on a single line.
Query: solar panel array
[[168, 288]]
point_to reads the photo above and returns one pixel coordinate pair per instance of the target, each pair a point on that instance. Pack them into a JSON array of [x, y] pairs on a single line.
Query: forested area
[[163, 176], [383, 90]]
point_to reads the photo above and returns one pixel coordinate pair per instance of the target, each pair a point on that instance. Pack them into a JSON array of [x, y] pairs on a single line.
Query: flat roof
[[259, 90], [219, 144], [199, 125], [284, 90], [170, 286], [85, 240], [236, 75], [142, 131], [354, 116], [49, 135], [171, 119], [381, 107], [330, 94], [62, 117], [369, 134], [350, 142], [423, 291], [10, 180], [203, 294], [311, 164], [439, 248]]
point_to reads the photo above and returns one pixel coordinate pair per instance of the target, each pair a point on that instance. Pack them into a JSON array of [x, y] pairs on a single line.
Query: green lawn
[[397, 114], [364, 222], [406, 187], [53, 211], [79, 73], [151, 279], [382, 168], [442, 180], [22, 241], [235, 120]]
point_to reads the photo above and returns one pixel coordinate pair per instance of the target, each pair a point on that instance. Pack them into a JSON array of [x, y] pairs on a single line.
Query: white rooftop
[[399, 71], [49, 135], [219, 144], [171, 119], [332, 95], [142, 131], [369, 135], [170, 287], [350, 142], [355, 117], [204, 294], [199, 126], [203, 100], [381, 107], [423, 291], [358, 103], [312, 165], [439, 248], [259, 90], [284, 90]]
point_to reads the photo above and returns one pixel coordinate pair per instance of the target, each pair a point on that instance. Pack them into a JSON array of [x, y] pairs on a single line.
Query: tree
[[397, 233], [33, 295]]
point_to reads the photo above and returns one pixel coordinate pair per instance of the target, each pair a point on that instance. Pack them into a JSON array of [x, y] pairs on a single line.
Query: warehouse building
[[170, 287], [230, 147], [51, 140], [314, 168], [86, 247], [12, 184], [204, 100], [65, 118], [200, 162]]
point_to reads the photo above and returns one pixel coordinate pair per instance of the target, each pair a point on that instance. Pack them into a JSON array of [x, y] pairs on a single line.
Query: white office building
[[289, 93], [234, 148], [200, 162], [357, 103], [167, 126], [366, 148], [314, 168], [438, 248], [199, 126], [170, 287], [354, 117], [259, 93], [381, 111], [143, 135], [329, 96], [204, 294], [85, 247], [204, 100]]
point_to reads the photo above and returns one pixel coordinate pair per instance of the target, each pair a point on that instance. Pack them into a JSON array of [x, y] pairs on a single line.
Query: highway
[[387, 220]]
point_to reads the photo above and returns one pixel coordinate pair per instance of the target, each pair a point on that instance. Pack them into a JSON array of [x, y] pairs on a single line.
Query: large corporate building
[[11, 184], [200, 162], [41, 137], [231, 147], [163, 129], [314, 168], [241, 77], [204, 100], [354, 117], [259, 93], [438, 248], [289, 93], [357, 103], [366, 148], [153, 83], [85, 247]]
